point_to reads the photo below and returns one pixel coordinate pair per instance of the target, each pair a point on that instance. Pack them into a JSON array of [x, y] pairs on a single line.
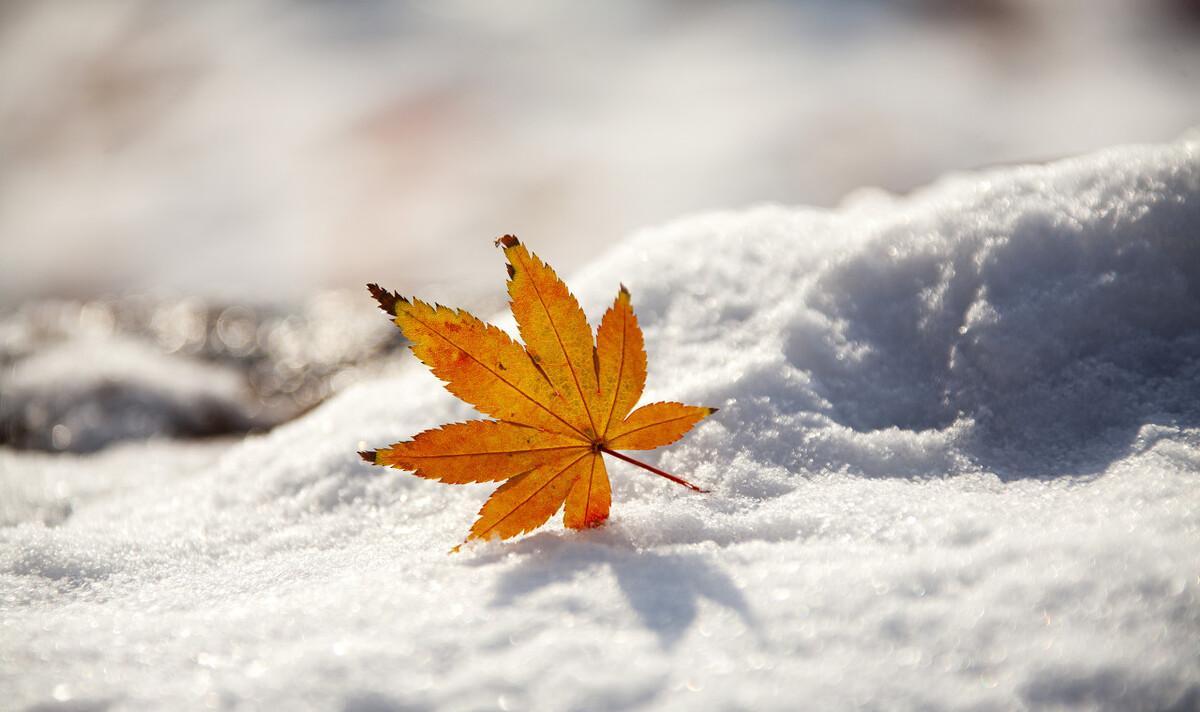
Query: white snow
[[84, 393], [143, 145], [955, 467]]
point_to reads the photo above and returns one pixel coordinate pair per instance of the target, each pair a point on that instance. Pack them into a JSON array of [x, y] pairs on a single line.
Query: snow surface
[[80, 376], [84, 393], [955, 467], [143, 144]]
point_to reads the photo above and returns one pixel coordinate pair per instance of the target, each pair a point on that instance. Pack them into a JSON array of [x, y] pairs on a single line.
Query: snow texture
[[955, 468]]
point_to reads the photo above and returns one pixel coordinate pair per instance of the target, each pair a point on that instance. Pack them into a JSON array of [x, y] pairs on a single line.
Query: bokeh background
[[192, 194]]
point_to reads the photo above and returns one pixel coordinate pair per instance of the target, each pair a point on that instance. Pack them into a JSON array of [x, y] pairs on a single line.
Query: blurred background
[[193, 194]]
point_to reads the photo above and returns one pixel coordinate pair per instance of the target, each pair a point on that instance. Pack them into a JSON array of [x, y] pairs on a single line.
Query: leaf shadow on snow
[[664, 590], [79, 705], [375, 702], [1106, 687]]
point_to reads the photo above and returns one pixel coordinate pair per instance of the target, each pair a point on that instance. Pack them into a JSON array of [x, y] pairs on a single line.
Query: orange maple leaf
[[559, 401]]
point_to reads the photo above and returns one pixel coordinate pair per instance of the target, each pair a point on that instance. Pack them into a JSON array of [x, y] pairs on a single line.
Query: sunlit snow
[[956, 466]]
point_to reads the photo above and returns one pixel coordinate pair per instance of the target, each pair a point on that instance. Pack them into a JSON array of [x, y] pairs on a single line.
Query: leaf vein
[[533, 494], [500, 378], [562, 347]]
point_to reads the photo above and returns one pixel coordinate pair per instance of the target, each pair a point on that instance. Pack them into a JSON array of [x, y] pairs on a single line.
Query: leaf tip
[[368, 456], [387, 300], [507, 241], [712, 410], [624, 291]]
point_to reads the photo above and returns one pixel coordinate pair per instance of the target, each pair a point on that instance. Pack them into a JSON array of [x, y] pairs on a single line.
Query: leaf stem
[[653, 469]]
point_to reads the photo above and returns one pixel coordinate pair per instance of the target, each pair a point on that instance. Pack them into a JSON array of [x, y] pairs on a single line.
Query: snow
[[318, 141], [84, 393], [955, 467], [80, 376]]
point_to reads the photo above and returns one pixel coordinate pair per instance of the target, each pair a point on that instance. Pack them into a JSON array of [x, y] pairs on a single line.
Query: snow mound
[[82, 394], [79, 377], [955, 467], [1013, 319]]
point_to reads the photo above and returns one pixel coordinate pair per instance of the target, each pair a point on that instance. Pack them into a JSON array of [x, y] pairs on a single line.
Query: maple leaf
[[560, 401]]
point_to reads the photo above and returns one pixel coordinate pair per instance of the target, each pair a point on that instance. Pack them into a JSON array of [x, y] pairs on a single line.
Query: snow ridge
[[955, 467]]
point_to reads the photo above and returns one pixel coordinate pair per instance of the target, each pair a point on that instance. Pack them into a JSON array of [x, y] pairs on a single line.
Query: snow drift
[[955, 467]]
